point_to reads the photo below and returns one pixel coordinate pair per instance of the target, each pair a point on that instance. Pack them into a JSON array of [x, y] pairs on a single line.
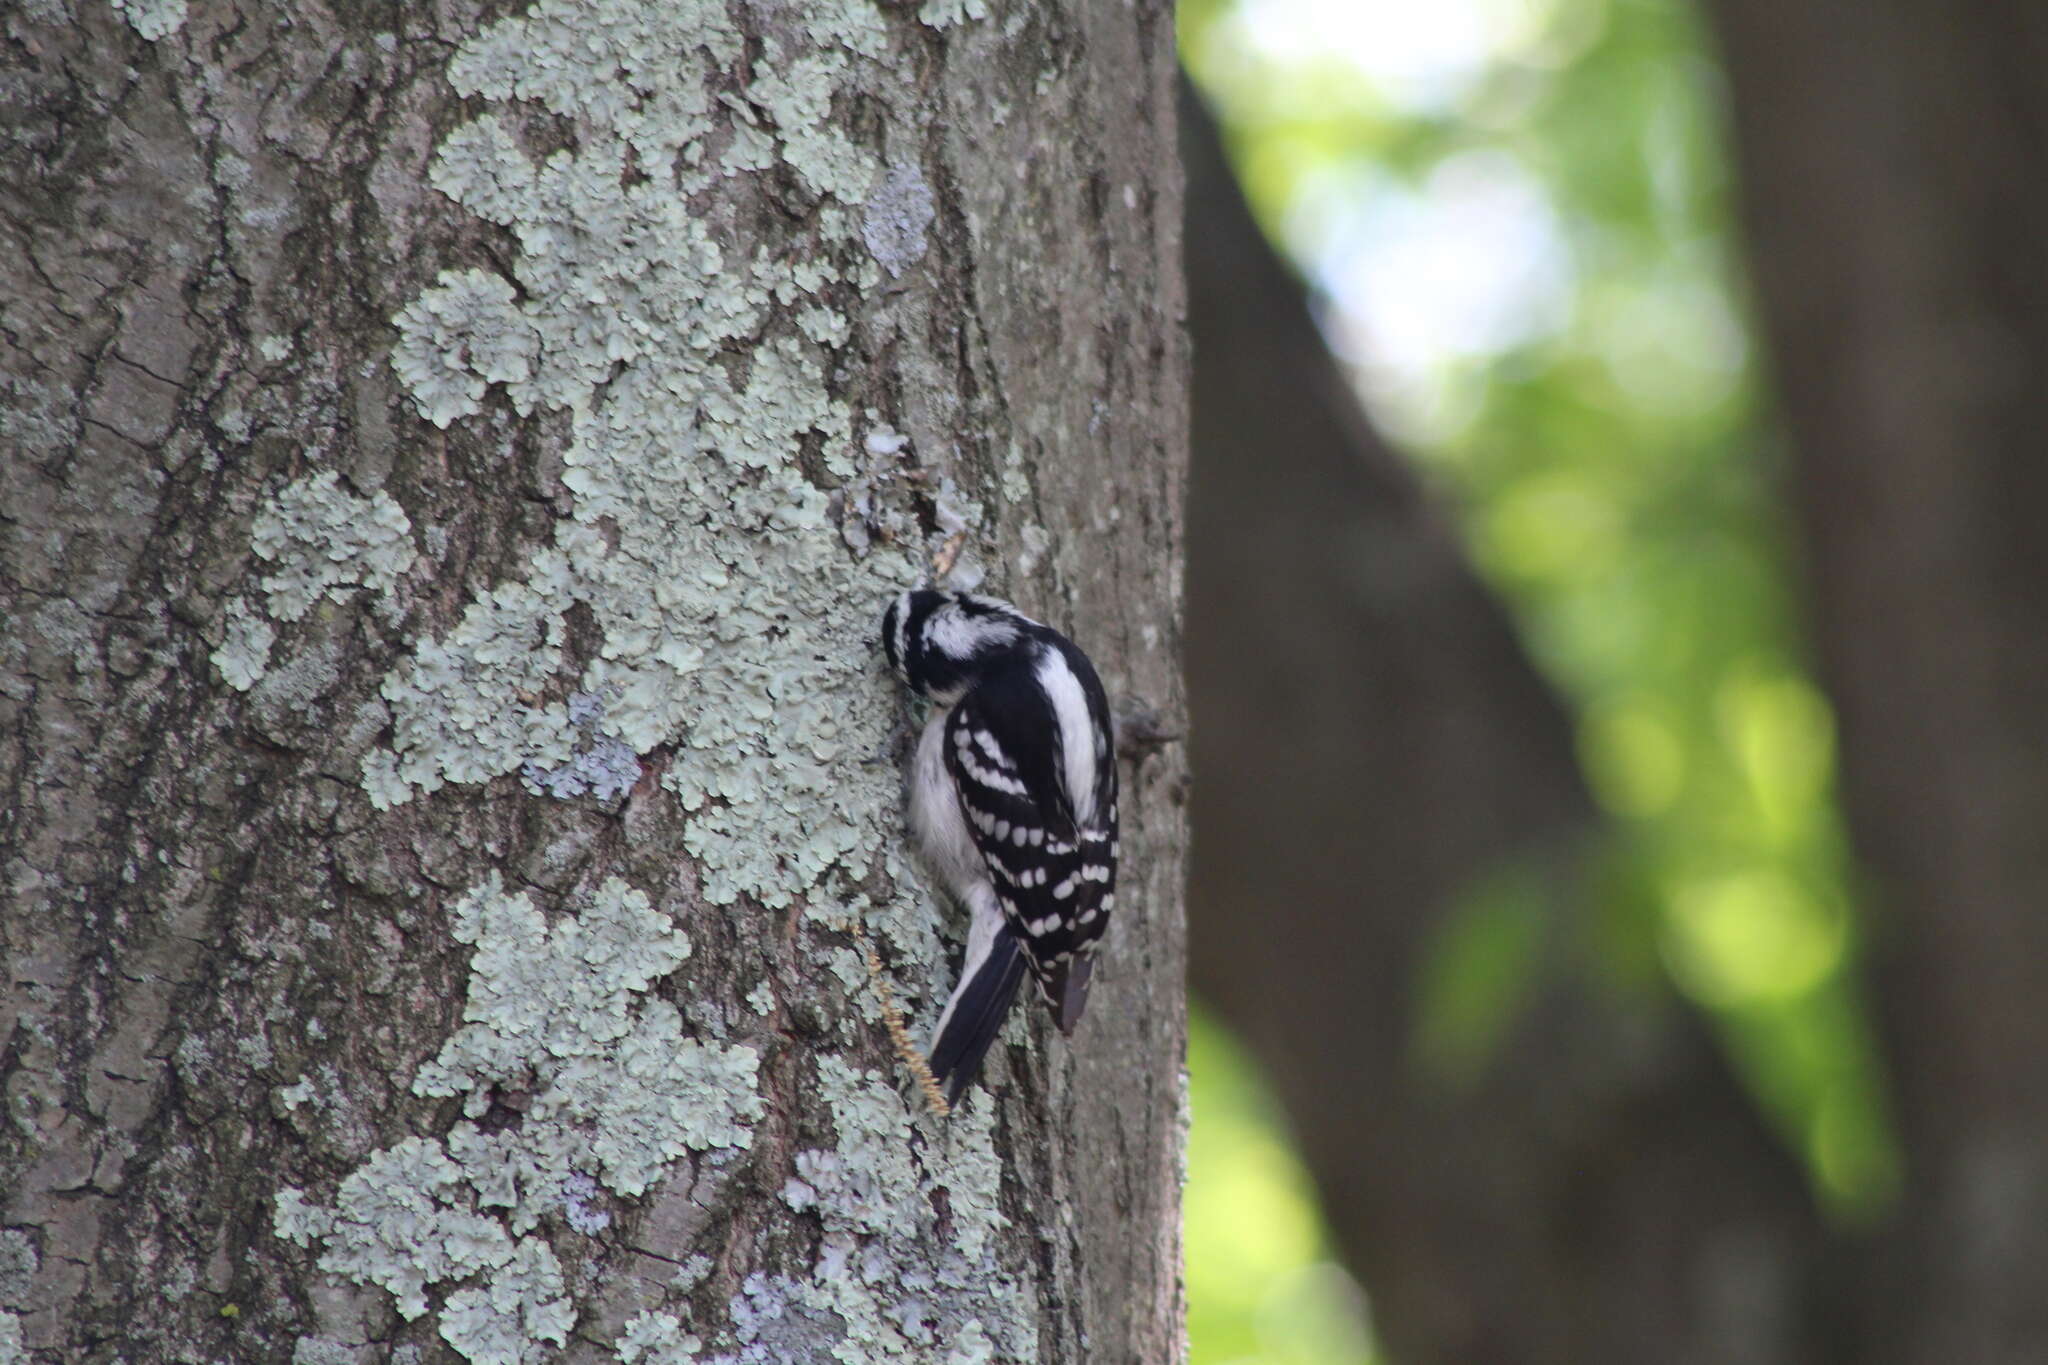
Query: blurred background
[[1618, 645]]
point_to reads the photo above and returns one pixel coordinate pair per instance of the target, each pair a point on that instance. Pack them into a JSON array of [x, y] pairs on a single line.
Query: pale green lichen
[[153, 19], [525, 1304], [324, 538], [798, 96], [751, 149], [902, 920], [11, 1351], [19, 1258], [459, 338], [732, 623], [733, 629], [555, 1005], [691, 1273], [1035, 541], [296, 1221], [244, 651], [972, 1346], [653, 1338], [615, 1091], [946, 13], [458, 706], [323, 1351], [1016, 483], [889, 1283]]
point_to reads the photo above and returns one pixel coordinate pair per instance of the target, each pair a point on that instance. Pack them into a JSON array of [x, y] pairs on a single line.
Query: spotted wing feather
[[1054, 877]]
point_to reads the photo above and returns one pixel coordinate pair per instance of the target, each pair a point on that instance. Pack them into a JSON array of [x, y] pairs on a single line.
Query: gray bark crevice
[[227, 964]]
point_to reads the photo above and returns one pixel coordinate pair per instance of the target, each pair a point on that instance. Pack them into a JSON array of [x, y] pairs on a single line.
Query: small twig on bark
[[892, 1019]]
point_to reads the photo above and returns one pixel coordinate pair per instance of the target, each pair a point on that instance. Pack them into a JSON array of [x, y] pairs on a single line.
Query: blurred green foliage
[[1516, 215], [1262, 1284]]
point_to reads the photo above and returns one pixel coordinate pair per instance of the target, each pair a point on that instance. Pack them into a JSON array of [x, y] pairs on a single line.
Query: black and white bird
[[1013, 800]]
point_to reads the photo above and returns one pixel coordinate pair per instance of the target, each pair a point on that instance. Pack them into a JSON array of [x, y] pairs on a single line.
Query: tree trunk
[[455, 464], [1891, 157], [1577, 1179]]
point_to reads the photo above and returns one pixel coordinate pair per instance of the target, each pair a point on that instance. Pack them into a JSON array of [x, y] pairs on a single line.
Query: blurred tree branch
[[1892, 166], [1372, 742]]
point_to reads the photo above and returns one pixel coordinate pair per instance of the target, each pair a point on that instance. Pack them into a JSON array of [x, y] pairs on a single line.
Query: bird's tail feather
[[1066, 990], [976, 1012]]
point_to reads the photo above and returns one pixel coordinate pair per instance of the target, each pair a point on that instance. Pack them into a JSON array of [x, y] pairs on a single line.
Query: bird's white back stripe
[[1077, 745]]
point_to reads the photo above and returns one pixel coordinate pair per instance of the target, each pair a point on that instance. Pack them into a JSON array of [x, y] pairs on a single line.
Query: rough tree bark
[[455, 457], [1892, 182], [1372, 743]]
